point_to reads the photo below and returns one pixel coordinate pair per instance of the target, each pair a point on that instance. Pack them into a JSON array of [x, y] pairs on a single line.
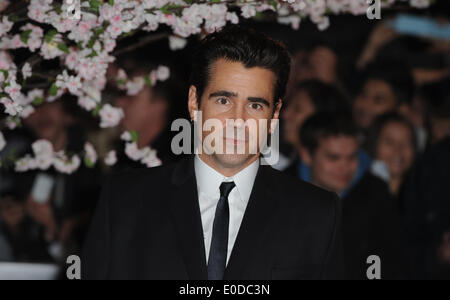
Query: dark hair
[[324, 97], [324, 125], [238, 44], [396, 74], [172, 91], [380, 123]]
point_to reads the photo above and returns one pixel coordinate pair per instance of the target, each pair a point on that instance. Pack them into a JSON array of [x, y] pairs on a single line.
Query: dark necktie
[[219, 242]]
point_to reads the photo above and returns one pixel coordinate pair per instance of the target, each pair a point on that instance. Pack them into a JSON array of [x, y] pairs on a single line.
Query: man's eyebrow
[[259, 100], [232, 94], [223, 94]]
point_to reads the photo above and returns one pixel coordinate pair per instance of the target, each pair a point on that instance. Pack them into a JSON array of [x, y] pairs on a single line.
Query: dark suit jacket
[[371, 226], [148, 226]]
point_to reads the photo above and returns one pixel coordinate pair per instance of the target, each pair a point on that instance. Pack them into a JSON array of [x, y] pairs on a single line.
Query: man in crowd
[[330, 148]]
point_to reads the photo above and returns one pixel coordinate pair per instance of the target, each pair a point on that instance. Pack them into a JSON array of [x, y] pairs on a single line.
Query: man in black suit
[[220, 214]]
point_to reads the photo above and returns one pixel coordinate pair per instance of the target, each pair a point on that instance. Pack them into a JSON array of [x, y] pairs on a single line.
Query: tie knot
[[226, 188]]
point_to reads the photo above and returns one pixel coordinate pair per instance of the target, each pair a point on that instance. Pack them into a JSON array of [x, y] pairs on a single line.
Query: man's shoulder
[[142, 178]]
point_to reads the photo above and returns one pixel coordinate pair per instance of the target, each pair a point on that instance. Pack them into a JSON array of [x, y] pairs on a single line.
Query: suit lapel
[[185, 210], [253, 227]]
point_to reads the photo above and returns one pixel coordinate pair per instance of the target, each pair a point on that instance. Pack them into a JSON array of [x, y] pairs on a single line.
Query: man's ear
[[276, 115], [305, 156], [193, 102]]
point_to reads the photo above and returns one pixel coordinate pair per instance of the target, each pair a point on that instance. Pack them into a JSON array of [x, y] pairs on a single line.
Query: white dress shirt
[[208, 187]]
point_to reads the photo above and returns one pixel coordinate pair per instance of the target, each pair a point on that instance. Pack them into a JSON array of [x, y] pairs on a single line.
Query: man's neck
[[226, 171]]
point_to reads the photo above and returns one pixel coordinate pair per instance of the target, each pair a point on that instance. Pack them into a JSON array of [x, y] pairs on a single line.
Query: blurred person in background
[[70, 198], [23, 236], [318, 61], [393, 142], [386, 86], [307, 99], [371, 226], [149, 113], [436, 97]]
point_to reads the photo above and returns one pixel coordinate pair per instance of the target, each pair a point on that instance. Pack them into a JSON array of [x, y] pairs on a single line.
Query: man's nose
[[238, 113]]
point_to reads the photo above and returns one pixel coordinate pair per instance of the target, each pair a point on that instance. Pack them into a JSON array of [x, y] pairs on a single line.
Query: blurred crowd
[[371, 123]]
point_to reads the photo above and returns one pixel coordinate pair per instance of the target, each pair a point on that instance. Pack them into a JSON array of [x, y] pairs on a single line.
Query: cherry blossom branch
[[142, 42]]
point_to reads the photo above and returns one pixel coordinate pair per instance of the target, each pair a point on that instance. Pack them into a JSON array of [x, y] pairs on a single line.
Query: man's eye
[[223, 101], [256, 106]]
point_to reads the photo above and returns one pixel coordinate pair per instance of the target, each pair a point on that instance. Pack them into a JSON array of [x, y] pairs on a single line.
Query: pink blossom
[[248, 11], [110, 116], [12, 108], [13, 90], [5, 26], [6, 61]]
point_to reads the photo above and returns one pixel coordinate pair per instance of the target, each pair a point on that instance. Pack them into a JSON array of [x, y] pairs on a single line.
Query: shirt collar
[[209, 180]]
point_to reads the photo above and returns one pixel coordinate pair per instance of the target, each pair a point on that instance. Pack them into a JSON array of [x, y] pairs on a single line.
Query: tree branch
[[142, 42]]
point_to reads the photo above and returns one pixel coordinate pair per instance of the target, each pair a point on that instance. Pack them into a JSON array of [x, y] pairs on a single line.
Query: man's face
[[140, 110], [396, 148], [236, 93], [335, 162], [376, 98], [49, 121]]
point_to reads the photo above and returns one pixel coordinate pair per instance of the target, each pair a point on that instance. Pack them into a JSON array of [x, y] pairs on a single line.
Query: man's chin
[[233, 160]]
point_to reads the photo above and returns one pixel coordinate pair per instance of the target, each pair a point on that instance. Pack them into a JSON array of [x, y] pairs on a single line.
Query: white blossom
[[151, 159], [110, 116], [90, 152], [12, 108], [26, 70], [176, 43], [65, 165], [5, 25], [2, 141], [135, 86], [248, 11], [162, 73], [126, 136], [111, 158]]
